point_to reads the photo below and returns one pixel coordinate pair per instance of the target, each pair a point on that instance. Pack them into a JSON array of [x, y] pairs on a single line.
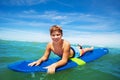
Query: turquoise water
[[105, 68]]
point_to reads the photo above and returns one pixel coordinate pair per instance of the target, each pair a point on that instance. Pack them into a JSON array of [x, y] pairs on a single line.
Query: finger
[[37, 64], [31, 64]]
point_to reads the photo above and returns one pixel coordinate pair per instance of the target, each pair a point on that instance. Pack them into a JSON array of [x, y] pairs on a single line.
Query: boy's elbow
[[64, 61]]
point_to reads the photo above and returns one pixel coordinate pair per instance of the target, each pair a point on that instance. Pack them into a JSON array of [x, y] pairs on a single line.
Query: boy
[[61, 48]]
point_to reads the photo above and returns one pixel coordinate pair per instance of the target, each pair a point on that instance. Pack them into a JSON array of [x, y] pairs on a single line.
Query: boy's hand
[[36, 63], [51, 69]]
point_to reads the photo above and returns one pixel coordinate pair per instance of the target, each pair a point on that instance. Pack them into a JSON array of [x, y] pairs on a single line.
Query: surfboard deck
[[22, 66]]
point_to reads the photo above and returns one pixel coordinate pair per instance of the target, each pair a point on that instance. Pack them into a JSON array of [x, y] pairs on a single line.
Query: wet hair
[[56, 28]]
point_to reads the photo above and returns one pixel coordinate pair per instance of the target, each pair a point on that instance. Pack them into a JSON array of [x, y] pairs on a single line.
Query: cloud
[[30, 12], [105, 39], [85, 28], [20, 35], [22, 2], [73, 36], [76, 21], [63, 3]]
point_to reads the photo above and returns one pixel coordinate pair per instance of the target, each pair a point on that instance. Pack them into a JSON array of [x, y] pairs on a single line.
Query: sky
[[87, 22]]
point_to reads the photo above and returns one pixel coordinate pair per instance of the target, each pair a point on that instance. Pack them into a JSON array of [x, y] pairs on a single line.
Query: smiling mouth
[[55, 40]]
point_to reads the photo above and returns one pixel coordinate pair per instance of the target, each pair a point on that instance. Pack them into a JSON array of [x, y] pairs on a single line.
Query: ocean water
[[104, 68]]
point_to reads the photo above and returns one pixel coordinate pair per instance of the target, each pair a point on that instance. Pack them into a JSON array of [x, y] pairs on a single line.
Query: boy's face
[[56, 36]]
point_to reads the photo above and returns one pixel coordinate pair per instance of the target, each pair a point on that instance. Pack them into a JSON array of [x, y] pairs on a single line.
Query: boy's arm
[[63, 61], [46, 54], [43, 58], [65, 56]]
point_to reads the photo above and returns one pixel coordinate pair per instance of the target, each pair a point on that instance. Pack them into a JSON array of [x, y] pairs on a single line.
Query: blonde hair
[[56, 28]]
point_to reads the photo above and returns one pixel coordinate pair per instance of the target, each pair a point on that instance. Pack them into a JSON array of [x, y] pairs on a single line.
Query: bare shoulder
[[66, 44], [49, 45]]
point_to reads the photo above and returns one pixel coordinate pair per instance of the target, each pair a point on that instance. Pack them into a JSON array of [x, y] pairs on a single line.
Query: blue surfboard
[[22, 66]]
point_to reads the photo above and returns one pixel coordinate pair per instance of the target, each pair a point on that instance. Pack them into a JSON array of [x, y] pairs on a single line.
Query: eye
[[58, 34], [52, 35]]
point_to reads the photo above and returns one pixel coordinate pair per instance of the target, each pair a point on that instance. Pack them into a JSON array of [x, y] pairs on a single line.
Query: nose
[[55, 36]]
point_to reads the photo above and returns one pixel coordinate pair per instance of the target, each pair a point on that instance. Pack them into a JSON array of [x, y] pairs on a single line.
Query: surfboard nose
[[105, 50]]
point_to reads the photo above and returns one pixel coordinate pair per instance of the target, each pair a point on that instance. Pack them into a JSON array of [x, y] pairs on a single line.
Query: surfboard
[[22, 66]]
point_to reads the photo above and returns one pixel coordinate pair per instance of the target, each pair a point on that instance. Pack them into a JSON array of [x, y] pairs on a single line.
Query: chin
[[56, 41]]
